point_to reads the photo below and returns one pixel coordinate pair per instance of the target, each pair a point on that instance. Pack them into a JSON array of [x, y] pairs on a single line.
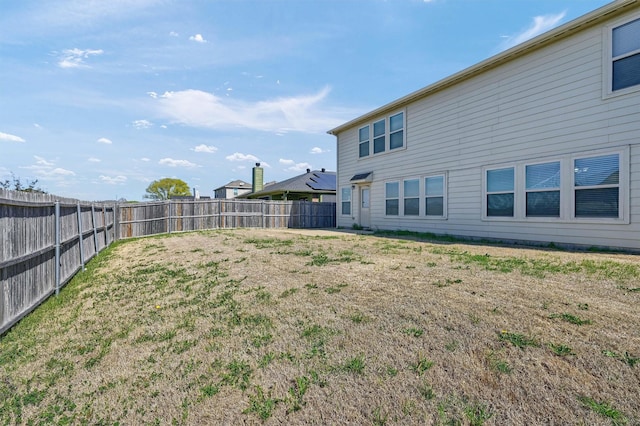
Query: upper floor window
[[345, 197], [363, 139], [379, 139], [381, 136], [625, 55], [396, 131]]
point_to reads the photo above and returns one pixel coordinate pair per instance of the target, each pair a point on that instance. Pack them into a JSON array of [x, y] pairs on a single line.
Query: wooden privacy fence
[[137, 220], [44, 241]]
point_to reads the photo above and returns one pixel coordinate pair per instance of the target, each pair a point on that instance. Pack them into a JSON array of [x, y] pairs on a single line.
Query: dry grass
[[251, 326]]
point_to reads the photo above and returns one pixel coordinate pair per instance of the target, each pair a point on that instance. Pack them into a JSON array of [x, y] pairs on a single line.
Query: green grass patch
[[413, 331], [517, 339], [260, 404], [421, 365], [354, 365], [573, 319], [262, 243], [297, 392], [238, 373], [604, 409], [561, 350]]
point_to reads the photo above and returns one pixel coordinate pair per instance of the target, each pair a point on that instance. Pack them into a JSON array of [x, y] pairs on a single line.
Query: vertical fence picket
[[80, 237], [95, 229], [57, 243]]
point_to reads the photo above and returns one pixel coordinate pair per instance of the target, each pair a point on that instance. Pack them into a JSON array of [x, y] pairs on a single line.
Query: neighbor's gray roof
[[595, 17], [235, 184], [316, 181]]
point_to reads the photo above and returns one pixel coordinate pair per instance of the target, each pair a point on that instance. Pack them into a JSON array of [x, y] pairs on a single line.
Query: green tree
[[16, 184], [166, 188]]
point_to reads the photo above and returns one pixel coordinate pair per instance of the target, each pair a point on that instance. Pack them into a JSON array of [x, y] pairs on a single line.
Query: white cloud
[[210, 149], [176, 163], [300, 167], [198, 38], [61, 172], [286, 162], [46, 168], [43, 162], [174, 34], [113, 180], [154, 95], [237, 156], [203, 109], [105, 141], [75, 58], [142, 124], [317, 150], [94, 160], [539, 25], [10, 138], [145, 159]]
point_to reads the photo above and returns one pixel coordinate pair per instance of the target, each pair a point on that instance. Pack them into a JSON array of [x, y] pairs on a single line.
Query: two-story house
[[538, 143]]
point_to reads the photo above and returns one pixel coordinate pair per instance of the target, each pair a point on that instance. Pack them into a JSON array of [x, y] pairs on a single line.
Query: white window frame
[[342, 200], [398, 198], [393, 132], [608, 59], [623, 187], [425, 195], [421, 197], [375, 137], [567, 189], [387, 135], [526, 191], [368, 141], [418, 197], [485, 193]]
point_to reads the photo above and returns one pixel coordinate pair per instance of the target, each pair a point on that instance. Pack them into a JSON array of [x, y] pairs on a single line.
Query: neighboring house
[[233, 189], [196, 196], [538, 143], [316, 185]]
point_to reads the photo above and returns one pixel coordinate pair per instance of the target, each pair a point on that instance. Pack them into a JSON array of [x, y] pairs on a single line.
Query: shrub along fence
[[45, 240]]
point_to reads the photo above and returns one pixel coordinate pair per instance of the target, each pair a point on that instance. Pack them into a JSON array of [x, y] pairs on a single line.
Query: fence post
[[116, 225], [169, 216], [57, 266], [263, 205], [95, 231], [81, 242], [104, 226]]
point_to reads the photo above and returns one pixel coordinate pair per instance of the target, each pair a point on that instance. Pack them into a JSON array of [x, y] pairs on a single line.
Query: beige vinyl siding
[[544, 105]]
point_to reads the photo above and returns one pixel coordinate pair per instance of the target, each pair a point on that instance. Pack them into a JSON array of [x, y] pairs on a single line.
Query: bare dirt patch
[[320, 327]]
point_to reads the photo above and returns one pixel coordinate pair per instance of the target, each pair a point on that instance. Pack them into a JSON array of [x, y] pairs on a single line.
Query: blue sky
[[100, 97]]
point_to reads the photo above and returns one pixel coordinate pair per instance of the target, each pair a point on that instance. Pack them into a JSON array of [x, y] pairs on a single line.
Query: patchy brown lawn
[[320, 327]]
